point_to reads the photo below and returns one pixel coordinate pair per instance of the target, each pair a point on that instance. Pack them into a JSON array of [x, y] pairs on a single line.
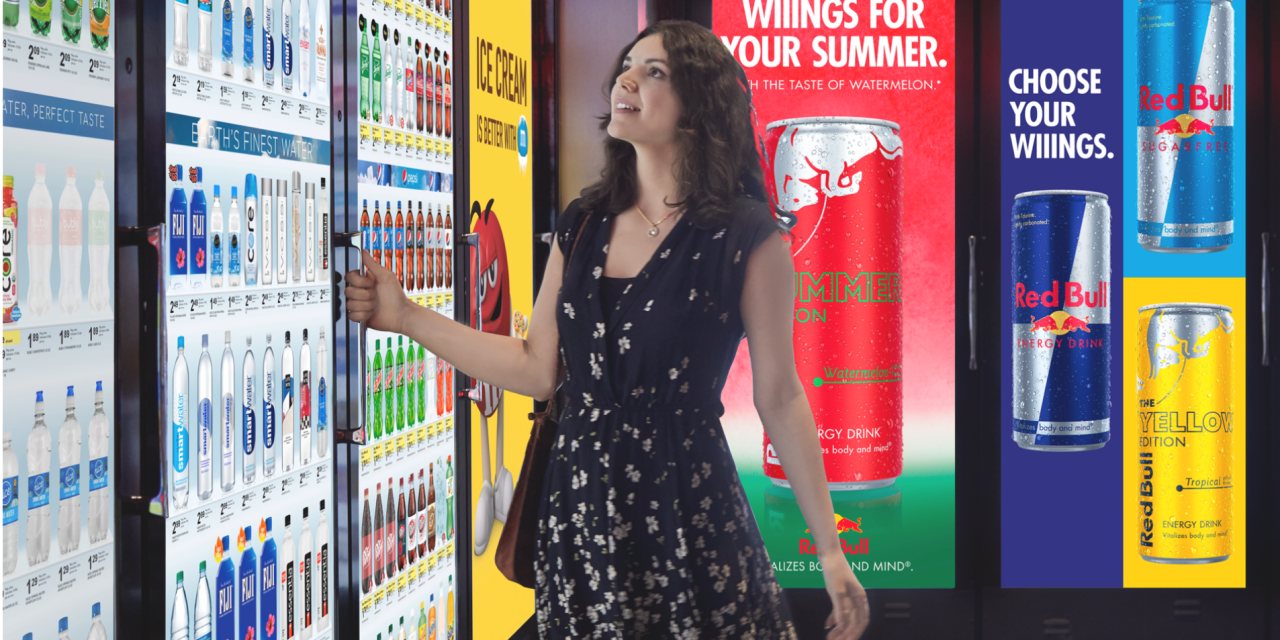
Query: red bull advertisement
[[1061, 320], [841, 179], [1186, 117]]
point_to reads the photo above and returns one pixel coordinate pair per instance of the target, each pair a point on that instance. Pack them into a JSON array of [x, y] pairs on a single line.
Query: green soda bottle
[[377, 80], [100, 24], [410, 387], [377, 389], [400, 384], [41, 12], [72, 20], [422, 383], [11, 13], [364, 70]]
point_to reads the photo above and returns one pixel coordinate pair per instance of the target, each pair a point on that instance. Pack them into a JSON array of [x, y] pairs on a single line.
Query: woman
[[644, 530]]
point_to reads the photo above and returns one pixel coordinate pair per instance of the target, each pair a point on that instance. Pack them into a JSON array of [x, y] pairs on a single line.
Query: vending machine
[[59, 325], [246, 323], [403, 552]]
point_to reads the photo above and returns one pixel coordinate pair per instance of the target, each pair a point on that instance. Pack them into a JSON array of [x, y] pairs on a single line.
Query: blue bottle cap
[[39, 396], [226, 542], [99, 385], [71, 390], [250, 186], [180, 341], [268, 525], [233, 192], [217, 191], [248, 535], [62, 625], [26, 637], [97, 609], [204, 340], [199, 174], [399, 203], [179, 173], [366, 202]]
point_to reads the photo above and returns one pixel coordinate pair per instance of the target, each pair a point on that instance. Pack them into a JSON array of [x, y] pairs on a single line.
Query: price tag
[[365, 131], [448, 149], [448, 27], [366, 456], [439, 147], [404, 581], [377, 134], [377, 451], [422, 434], [391, 447], [449, 549], [411, 438], [417, 11], [400, 442], [449, 423], [431, 561], [431, 430], [413, 573], [379, 595], [365, 605], [399, 7], [12, 338]]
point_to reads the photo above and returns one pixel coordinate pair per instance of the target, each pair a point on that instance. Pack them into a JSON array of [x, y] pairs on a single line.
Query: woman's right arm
[[526, 367]]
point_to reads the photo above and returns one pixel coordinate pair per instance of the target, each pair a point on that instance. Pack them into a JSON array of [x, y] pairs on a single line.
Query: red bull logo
[[1196, 97], [1060, 323], [1185, 126], [843, 524]]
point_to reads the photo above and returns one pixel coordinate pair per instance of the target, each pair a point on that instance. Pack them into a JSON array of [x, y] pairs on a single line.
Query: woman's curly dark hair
[[718, 159]]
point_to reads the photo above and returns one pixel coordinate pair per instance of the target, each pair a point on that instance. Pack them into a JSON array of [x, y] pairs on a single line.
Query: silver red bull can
[[840, 179]]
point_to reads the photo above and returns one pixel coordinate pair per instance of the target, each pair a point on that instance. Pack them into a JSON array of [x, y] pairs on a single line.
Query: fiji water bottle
[[225, 596], [268, 625], [179, 253], [248, 587], [198, 265]]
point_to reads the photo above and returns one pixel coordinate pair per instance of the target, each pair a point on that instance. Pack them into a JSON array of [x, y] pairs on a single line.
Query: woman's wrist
[[831, 556]]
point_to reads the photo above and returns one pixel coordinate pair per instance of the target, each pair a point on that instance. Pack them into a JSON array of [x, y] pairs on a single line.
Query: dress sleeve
[[567, 226], [754, 225]]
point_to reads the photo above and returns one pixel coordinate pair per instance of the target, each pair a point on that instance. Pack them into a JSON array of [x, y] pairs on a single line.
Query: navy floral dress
[[645, 531]]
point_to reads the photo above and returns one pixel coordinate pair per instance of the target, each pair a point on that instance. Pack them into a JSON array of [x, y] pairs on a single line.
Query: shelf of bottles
[[247, 333], [59, 322], [405, 192]]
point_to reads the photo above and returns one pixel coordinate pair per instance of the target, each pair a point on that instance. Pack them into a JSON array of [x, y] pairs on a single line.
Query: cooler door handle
[[154, 237], [356, 436], [973, 304], [1266, 300], [472, 241], [547, 238]]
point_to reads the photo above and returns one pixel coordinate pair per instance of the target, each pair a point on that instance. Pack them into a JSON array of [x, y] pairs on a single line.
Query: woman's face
[[644, 107]]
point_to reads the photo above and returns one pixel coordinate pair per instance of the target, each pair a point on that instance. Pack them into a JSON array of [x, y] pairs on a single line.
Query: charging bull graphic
[[492, 291]]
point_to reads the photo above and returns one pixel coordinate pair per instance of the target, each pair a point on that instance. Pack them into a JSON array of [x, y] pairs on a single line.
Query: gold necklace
[[653, 231]]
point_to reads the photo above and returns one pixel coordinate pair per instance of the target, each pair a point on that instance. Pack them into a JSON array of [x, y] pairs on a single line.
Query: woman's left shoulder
[[753, 221]]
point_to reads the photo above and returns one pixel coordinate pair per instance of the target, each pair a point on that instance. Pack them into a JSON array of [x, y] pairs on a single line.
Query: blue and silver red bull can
[[1061, 320], [1186, 117]]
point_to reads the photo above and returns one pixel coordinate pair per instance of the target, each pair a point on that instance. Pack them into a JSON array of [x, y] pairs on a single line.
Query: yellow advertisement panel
[[1184, 428], [500, 212]]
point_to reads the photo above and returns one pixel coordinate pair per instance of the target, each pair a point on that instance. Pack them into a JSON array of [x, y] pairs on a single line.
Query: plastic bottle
[[304, 48], [410, 382], [72, 20], [304, 577], [96, 630], [250, 240], [422, 383], [324, 228], [322, 53], [286, 406], [310, 231], [227, 423], [448, 500], [204, 422], [431, 507], [41, 14], [379, 537], [69, 443], [296, 213], [288, 570], [70, 245], [228, 39], [422, 513], [388, 79], [249, 413], [400, 380], [402, 634], [268, 58], [206, 35], [216, 242], [265, 201], [179, 434], [99, 448], [377, 229], [422, 621], [226, 594], [180, 620], [322, 569], [411, 523], [247, 588], [282, 218], [197, 259], [364, 71], [304, 403], [268, 411], [322, 398], [377, 390], [286, 45], [9, 223], [100, 248], [11, 496], [268, 627], [38, 450], [233, 242], [366, 548], [204, 606], [376, 72], [397, 91], [247, 45], [389, 542], [449, 628], [179, 252], [431, 618], [180, 33], [398, 259]]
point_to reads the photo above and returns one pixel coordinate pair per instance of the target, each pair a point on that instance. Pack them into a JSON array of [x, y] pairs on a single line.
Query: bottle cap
[[250, 186], [248, 535], [8, 182], [62, 625], [400, 340], [228, 338], [180, 341], [322, 505], [204, 341], [311, 191], [268, 525], [282, 187], [217, 191], [304, 335], [202, 565], [180, 573], [40, 169], [97, 175], [99, 386], [399, 203], [97, 609], [248, 341], [71, 390], [39, 396], [306, 512], [71, 173], [226, 542], [268, 338], [266, 187], [233, 192], [322, 184], [200, 174], [297, 181], [286, 337], [287, 520], [366, 202]]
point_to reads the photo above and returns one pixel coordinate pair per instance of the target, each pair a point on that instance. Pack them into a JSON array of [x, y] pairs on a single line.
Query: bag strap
[[554, 403]]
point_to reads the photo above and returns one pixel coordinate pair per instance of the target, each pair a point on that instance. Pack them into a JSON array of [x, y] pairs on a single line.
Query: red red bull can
[[840, 179]]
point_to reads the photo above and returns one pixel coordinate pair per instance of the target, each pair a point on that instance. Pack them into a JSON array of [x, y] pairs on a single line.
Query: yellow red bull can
[[1185, 429]]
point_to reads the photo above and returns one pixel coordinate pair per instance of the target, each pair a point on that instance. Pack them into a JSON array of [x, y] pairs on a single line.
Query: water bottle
[[204, 606], [38, 449], [10, 505], [99, 494], [206, 35], [197, 259], [322, 569], [228, 39], [286, 45], [99, 246], [179, 623], [304, 48], [204, 422], [265, 200], [180, 435], [179, 253], [180, 32], [322, 397], [250, 241], [248, 42], [268, 411], [226, 594], [249, 416], [270, 578], [286, 406], [322, 50], [268, 51], [96, 630], [39, 246], [227, 436], [289, 560], [248, 588], [304, 403], [69, 441], [216, 241], [304, 576], [233, 242], [70, 245], [72, 20]]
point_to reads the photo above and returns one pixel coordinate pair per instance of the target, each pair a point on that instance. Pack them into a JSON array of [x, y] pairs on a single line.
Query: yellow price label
[[377, 451], [366, 456], [431, 430], [399, 6], [450, 548], [404, 581], [377, 134], [449, 422], [399, 138], [379, 594], [448, 27], [448, 149], [422, 143], [422, 434], [439, 147], [448, 298], [12, 337], [420, 14], [366, 604], [400, 442], [410, 438], [431, 561], [365, 131]]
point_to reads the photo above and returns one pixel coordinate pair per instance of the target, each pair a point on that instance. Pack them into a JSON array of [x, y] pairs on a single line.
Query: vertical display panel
[[59, 321], [850, 105], [501, 193], [247, 309], [404, 497]]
